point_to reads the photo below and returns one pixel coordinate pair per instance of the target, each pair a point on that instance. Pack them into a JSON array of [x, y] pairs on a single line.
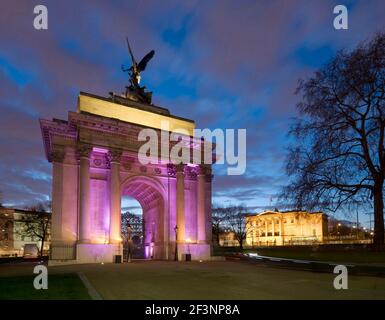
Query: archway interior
[[143, 199], [132, 213]]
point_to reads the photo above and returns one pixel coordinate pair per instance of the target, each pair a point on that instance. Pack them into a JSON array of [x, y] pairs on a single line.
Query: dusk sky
[[224, 64]]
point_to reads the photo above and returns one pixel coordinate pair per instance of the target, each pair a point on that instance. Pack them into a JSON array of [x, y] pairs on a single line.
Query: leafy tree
[[339, 154]]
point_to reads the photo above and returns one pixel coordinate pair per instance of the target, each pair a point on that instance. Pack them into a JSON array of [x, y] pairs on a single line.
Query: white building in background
[[286, 228]]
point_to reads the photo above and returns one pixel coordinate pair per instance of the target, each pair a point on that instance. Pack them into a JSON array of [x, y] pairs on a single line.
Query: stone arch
[[151, 195]]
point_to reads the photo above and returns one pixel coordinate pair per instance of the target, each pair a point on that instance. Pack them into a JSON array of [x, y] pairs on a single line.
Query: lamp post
[[176, 243], [129, 232]]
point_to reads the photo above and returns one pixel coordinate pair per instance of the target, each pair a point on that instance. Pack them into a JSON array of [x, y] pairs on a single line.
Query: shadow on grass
[[60, 287]]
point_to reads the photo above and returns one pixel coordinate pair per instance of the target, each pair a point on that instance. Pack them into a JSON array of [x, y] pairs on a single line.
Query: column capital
[[203, 169], [180, 168], [83, 150], [57, 155], [114, 155], [191, 172], [206, 170]]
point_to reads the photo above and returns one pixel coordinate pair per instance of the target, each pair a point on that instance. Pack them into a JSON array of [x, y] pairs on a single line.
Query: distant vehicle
[[31, 250]]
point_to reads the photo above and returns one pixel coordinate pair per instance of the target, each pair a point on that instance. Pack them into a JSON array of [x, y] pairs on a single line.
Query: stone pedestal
[[198, 251], [97, 253]]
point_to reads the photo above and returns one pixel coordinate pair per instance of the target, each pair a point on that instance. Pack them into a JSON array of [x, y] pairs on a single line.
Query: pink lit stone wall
[[191, 210], [100, 213]]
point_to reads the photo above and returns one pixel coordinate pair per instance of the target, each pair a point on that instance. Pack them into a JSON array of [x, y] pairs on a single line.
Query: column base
[[97, 253], [198, 251]]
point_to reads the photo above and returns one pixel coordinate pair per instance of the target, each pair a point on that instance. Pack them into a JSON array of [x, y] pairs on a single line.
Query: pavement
[[222, 280]]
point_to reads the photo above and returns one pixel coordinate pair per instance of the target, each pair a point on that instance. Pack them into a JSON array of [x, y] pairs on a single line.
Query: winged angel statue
[[134, 91]]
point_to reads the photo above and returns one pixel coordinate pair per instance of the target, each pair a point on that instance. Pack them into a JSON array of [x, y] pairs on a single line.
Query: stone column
[[57, 157], [201, 205], [208, 196], [115, 196], [180, 212], [84, 152], [266, 228]]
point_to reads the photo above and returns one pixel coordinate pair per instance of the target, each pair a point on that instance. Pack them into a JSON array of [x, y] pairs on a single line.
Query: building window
[[276, 233], [314, 232], [269, 234], [292, 221], [276, 221], [262, 234]]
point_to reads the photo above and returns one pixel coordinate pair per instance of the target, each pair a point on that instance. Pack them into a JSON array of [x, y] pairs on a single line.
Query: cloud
[[225, 64]]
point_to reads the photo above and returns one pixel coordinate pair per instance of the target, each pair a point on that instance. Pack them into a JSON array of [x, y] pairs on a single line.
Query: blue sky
[[225, 64]]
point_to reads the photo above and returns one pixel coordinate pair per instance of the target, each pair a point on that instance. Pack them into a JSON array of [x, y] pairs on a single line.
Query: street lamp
[[176, 243]]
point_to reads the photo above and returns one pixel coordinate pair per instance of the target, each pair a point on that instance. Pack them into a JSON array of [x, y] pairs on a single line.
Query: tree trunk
[[378, 239], [41, 248], [241, 244]]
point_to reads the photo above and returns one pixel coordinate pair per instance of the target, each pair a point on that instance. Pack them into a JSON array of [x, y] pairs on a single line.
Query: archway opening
[[145, 204], [132, 228]]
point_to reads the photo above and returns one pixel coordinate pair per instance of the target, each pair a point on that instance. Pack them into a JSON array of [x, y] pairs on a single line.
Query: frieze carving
[[157, 170], [127, 166], [98, 162], [171, 170]]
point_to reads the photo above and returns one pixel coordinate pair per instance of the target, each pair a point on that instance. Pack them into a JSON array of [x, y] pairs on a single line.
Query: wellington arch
[[94, 156]]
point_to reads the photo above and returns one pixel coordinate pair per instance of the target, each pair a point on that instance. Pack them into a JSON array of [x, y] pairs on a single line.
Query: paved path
[[211, 280]]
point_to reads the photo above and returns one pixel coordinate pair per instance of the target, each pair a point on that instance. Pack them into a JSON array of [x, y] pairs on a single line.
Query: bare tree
[[339, 153], [235, 220], [218, 220], [37, 224]]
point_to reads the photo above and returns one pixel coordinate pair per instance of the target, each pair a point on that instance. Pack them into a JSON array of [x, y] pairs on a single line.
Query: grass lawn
[[60, 287], [316, 254]]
